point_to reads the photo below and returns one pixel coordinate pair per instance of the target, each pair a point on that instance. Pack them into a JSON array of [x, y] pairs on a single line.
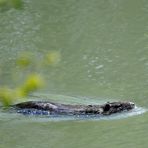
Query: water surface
[[104, 50]]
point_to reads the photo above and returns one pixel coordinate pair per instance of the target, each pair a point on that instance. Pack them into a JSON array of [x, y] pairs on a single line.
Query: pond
[[104, 57]]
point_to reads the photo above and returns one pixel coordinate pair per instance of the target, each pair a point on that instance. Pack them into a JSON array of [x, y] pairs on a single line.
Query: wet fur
[[66, 109]]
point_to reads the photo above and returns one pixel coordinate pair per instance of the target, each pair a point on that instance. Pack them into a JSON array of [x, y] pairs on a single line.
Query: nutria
[[67, 109]]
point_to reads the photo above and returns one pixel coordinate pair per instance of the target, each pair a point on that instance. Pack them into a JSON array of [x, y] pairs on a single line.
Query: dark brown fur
[[57, 108]]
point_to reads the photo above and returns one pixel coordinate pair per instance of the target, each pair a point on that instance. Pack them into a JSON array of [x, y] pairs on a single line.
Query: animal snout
[[132, 104]]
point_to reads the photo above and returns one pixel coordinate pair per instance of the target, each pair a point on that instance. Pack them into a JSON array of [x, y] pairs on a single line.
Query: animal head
[[116, 107]]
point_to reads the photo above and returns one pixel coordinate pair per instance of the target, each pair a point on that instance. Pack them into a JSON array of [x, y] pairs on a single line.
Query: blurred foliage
[[7, 96], [33, 81], [52, 58], [27, 64], [17, 4], [24, 60], [3, 3]]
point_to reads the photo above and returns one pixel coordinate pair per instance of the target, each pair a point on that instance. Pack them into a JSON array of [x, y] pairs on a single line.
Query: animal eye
[[107, 107]]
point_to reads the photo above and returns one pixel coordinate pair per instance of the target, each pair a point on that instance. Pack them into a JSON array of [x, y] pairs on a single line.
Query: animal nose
[[132, 104]]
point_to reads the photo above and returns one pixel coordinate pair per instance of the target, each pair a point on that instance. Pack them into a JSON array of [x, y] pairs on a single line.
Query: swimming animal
[[44, 107]]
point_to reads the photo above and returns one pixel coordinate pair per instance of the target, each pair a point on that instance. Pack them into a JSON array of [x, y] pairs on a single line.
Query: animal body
[[36, 107]]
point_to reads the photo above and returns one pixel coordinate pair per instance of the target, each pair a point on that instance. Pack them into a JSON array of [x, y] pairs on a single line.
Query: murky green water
[[104, 49]]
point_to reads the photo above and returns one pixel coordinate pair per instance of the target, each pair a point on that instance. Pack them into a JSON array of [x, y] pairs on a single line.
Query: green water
[[104, 56]]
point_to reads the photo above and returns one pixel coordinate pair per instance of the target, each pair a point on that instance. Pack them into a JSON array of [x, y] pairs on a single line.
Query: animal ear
[[107, 107]]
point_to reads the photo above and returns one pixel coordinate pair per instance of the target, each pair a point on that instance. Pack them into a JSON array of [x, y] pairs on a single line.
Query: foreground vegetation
[[33, 81]]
